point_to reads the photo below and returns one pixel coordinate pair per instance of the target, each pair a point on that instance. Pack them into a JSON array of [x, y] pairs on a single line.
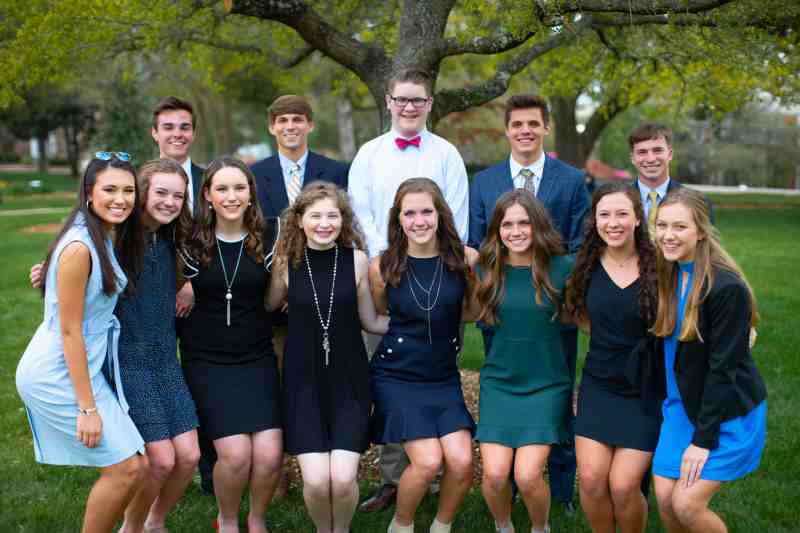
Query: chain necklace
[[229, 284], [438, 271], [326, 344]]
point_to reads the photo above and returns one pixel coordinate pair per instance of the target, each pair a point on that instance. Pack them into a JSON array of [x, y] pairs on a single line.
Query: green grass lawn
[[45, 499]]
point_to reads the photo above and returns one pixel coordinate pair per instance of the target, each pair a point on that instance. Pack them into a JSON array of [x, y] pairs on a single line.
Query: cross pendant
[[326, 345]]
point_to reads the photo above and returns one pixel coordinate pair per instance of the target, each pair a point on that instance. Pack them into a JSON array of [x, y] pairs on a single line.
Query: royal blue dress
[[741, 440]]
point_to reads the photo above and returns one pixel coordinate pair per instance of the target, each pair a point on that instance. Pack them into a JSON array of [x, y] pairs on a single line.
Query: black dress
[[326, 406], [610, 408], [415, 381], [231, 369]]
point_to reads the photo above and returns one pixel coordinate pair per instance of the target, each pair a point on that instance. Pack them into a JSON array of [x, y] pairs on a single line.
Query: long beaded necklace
[[326, 344], [229, 284], [438, 272]]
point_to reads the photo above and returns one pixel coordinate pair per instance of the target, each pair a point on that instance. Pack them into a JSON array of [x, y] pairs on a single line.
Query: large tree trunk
[[41, 142], [347, 133]]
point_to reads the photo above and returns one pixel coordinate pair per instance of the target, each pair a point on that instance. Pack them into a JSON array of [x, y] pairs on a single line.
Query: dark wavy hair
[[394, 261], [293, 239], [129, 237], [201, 245], [588, 258], [545, 244], [179, 229]]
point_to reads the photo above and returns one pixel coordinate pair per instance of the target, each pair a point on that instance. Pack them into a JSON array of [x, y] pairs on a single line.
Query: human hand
[[36, 276], [692, 463], [90, 427], [285, 307], [184, 300]]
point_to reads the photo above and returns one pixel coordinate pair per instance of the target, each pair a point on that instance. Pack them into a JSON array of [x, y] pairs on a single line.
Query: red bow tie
[[403, 143]]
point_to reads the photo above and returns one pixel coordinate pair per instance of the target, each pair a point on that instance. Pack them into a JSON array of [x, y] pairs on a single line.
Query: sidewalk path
[[33, 211]]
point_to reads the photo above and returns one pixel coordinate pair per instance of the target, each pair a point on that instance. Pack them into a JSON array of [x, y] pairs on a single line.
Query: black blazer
[[271, 188], [672, 185], [717, 379]]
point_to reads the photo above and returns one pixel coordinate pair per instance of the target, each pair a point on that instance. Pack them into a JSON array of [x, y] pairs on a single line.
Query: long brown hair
[[180, 228], [545, 244], [394, 260], [709, 257], [129, 237], [293, 239], [592, 249], [201, 246]]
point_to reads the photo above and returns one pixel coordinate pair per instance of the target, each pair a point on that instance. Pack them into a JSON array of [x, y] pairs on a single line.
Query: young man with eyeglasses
[[407, 150]]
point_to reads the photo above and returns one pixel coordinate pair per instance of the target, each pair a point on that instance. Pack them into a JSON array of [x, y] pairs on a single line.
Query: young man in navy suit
[[561, 188]]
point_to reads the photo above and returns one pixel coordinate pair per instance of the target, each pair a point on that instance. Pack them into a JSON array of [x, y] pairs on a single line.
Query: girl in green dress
[[525, 382]]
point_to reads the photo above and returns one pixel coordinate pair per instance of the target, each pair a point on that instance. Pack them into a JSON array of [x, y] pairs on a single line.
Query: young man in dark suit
[[562, 190]]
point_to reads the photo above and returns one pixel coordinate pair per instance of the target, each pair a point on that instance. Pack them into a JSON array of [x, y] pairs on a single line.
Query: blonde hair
[[709, 257]]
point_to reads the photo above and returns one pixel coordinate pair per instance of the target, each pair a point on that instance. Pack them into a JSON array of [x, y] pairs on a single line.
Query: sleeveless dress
[[416, 387], [231, 370], [161, 406], [741, 440], [43, 379], [326, 407], [610, 409], [526, 387]]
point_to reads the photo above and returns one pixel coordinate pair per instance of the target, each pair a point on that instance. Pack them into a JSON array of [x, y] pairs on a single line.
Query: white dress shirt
[[644, 192], [537, 168], [187, 167], [380, 167]]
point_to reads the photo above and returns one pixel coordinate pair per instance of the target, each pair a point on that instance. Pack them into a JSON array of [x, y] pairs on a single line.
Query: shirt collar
[[537, 167], [287, 164], [187, 167], [421, 134], [644, 190]]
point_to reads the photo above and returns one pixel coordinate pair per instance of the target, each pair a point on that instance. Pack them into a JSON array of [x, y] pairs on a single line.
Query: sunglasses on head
[[105, 156]]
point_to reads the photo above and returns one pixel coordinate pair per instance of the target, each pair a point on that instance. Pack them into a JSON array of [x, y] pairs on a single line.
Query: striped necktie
[[530, 184], [295, 182], [652, 201]]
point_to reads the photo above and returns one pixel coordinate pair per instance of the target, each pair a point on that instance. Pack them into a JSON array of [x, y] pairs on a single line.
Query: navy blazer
[[562, 190], [271, 187], [197, 180], [672, 185]]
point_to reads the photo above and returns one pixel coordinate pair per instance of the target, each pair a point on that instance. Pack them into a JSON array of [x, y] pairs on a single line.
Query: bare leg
[[316, 471], [664, 488], [426, 460], [457, 479], [110, 495], [344, 488], [495, 485], [594, 467], [529, 475], [690, 506], [186, 456], [231, 473], [630, 506], [265, 475]]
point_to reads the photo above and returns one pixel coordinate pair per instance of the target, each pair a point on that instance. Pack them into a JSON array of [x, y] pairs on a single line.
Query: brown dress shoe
[[383, 498]]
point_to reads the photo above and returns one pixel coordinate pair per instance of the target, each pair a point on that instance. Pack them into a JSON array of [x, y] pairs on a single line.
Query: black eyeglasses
[[105, 156], [402, 101]]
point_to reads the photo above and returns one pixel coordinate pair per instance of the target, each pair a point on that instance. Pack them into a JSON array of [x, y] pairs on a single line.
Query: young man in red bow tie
[[407, 150]]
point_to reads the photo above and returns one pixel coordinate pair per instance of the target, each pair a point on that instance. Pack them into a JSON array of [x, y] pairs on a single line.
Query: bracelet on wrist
[[87, 411]]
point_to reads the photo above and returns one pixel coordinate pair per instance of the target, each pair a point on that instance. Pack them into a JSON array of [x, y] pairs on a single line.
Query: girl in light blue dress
[[76, 416]]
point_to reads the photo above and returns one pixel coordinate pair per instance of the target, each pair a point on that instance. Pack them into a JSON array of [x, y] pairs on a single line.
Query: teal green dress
[[525, 382]]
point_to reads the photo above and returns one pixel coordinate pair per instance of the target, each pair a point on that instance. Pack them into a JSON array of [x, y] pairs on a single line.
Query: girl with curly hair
[[612, 294], [423, 279], [715, 408], [321, 267], [226, 349], [525, 382]]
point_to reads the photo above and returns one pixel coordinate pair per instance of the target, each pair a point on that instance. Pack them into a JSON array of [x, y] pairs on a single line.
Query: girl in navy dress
[[76, 417], [423, 280], [326, 394], [714, 425], [612, 295]]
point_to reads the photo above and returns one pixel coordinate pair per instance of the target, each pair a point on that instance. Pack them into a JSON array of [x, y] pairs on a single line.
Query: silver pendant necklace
[[438, 271], [229, 284], [325, 324]]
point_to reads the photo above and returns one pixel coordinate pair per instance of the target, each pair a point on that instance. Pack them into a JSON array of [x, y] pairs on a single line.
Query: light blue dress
[[43, 380], [741, 440]]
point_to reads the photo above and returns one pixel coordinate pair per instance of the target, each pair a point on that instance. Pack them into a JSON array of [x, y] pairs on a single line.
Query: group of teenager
[[320, 310]]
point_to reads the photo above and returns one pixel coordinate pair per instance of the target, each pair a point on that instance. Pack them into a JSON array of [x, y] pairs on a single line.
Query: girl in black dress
[[424, 280], [321, 264], [612, 292], [227, 353]]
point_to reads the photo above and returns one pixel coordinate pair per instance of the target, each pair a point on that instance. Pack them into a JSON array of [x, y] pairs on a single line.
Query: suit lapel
[[505, 181], [197, 180], [276, 190], [312, 172], [548, 181]]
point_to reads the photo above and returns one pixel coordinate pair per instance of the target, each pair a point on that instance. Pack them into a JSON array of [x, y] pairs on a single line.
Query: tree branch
[[484, 45], [651, 7]]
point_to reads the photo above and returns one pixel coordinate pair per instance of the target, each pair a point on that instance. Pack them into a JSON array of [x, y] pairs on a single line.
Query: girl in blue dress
[[714, 425], [75, 416]]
